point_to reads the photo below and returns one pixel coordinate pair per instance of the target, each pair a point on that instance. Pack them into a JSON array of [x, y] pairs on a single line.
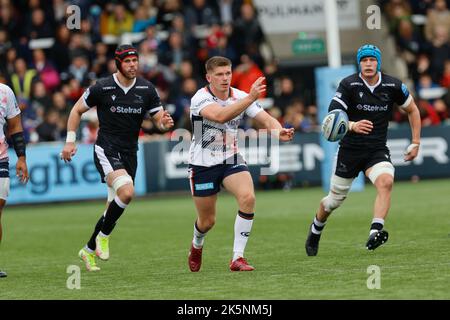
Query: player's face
[[220, 78], [368, 66], [129, 67]]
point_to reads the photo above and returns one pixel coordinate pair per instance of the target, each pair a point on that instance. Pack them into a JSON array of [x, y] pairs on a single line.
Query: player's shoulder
[[390, 81], [353, 80], [202, 93], [238, 94], [5, 88], [142, 83]]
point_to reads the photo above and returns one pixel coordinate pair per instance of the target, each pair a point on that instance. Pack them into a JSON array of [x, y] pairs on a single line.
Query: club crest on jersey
[[138, 99]]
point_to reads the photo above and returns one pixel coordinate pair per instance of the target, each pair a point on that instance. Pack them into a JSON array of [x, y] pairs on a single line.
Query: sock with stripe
[[199, 237], [242, 227], [377, 225], [317, 226]]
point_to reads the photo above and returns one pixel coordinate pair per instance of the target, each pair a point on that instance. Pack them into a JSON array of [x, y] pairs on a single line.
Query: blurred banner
[[162, 168], [285, 16], [53, 180]]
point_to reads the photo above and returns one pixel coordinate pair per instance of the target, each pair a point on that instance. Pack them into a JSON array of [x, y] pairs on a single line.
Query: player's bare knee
[[126, 193], [206, 224], [384, 183], [247, 200]]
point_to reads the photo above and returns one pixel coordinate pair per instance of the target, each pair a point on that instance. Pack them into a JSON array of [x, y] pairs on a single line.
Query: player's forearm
[[233, 110], [415, 123]]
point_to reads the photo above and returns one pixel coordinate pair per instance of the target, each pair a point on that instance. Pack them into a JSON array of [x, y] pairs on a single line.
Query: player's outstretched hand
[[411, 152], [68, 152], [362, 127], [286, 134], [22, 170], [166, 121], [258, 87]]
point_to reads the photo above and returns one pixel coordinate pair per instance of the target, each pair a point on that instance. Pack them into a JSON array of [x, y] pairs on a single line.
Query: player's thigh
[[240, 184], [4, 192], [206, 206], [379, 169]]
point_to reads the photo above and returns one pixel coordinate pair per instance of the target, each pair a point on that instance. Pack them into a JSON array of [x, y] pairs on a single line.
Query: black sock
[[115, 210], [376, 226], [91, 244]]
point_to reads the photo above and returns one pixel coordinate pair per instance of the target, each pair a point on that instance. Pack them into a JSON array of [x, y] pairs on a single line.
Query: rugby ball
[[335, 125]]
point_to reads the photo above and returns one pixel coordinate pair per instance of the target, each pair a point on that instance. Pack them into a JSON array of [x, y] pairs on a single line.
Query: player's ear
[[208, 77]]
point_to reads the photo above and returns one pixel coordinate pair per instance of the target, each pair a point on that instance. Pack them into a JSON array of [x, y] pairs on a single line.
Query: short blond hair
[[217, 61]]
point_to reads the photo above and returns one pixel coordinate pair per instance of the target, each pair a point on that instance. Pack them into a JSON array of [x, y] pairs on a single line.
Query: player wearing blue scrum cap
[[368, 98]]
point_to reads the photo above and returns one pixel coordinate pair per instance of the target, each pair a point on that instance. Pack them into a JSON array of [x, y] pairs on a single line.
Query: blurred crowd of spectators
[[422, 33], [48, 64]]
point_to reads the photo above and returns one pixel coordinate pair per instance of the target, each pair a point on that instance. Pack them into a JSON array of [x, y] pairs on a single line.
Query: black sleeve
[[401, 93], [341, 99], [154, 104], [92, 95]]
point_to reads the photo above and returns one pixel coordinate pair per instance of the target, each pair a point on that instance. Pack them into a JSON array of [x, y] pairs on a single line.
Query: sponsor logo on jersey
[[126, 110], [360, 94], [234, 122], [368, 107], [356, 84], [113, 97], [141, 87], [202, 102], [109, 88], [388, 84]]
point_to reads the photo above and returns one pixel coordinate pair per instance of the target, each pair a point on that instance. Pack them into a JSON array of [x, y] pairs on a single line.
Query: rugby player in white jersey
[[216, 111], [10, 116]]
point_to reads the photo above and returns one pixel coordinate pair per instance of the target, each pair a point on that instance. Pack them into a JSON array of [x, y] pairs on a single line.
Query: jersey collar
[[125, 89], [230, 93], [371, 88]]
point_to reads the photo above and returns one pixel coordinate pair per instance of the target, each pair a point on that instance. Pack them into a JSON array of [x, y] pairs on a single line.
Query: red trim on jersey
[[191, 180]]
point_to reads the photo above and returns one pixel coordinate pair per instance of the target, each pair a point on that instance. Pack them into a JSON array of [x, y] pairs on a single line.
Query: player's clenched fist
[[68, 152]]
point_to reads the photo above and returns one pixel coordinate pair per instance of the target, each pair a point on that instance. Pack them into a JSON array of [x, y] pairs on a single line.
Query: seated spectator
[[445, 79], [120, 21], [409, 41], [441, 109], [47, 72], [245, 74], [49, 129], [439, 15], [428, 115], [286, 95], [142, 19], [440, 52], [22, 79]]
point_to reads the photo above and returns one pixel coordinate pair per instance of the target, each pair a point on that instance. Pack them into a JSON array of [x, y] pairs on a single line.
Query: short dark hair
[[217, 61]]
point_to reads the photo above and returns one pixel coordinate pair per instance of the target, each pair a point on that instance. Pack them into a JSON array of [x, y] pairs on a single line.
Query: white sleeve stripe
[[407, 102], [341, 102], [155, 109], [85, 104]]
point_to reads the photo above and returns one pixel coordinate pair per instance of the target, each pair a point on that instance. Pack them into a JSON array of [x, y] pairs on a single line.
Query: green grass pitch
[[150, 244]]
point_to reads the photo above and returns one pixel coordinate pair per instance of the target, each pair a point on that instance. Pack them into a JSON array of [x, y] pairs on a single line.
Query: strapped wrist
[[351, 124], [71, 137]]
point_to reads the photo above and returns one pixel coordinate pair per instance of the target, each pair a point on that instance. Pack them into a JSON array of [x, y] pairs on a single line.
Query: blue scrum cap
[[369, 50]]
